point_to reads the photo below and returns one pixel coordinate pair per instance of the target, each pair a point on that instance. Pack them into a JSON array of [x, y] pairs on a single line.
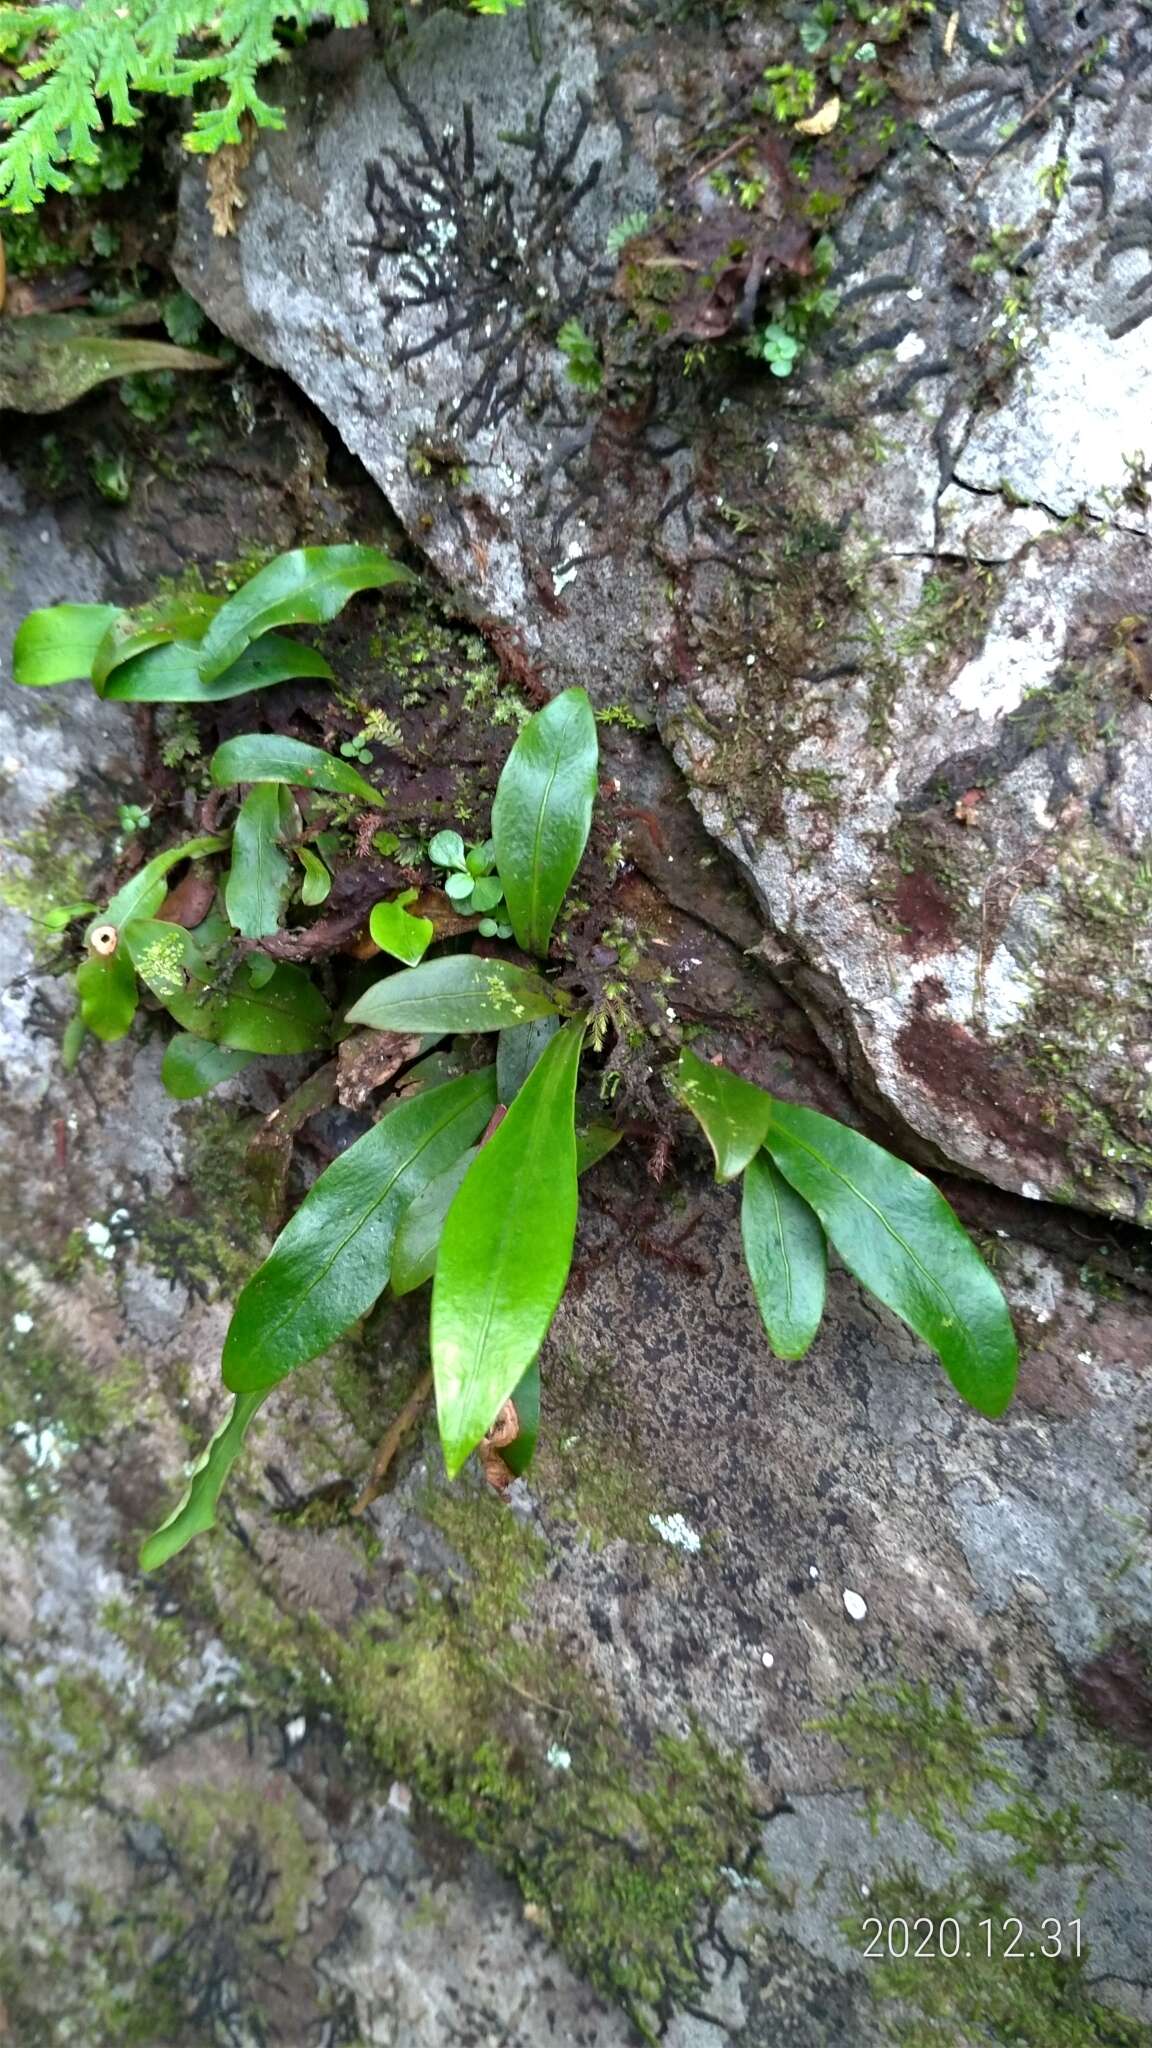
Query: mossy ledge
[[619, 1851]]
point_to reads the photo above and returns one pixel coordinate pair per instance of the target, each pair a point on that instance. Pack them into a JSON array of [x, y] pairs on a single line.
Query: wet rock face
[[892, 613], [277, 1793]]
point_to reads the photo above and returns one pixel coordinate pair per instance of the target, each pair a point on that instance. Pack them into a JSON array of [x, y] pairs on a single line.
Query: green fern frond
[[74, 59]]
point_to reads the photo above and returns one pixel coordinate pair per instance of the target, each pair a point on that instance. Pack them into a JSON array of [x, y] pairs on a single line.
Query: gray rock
[[910, 698]]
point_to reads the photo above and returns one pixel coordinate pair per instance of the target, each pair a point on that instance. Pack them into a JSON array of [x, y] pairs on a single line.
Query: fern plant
[[81, 63], [468, 1178]]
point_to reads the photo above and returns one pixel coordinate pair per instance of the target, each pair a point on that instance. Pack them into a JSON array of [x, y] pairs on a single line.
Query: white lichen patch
[[675, 1530]]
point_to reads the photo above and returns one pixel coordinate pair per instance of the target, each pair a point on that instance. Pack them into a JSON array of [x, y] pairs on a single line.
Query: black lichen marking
[[493, 258]]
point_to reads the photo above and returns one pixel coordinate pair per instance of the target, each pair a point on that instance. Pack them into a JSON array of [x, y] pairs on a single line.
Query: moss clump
[[210, 1237], [919, 1759], [453, 1689], [1023, 2000]]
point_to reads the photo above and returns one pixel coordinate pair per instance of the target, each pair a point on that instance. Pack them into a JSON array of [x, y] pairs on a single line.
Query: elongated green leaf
[[732, 1114], [332, 1260], [517, 1051], [418, 1235], [260, 877], [171, 674], [196, 1510], [49, 360], [594, 1143], [519, 1453], [897, 1234], [505, 1251], [193, 1066], [305, 587], [151, 625], [418, 1238], [143, 894], [317, 885], [397, 933], [285, 1014], [786, 1255], [106, 991], [542, 814], [266, 757], [461, 992], [58, 645]]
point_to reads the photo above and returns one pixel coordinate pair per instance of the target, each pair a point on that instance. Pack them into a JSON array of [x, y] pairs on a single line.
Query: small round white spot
[[296, 1730], [813, 1572], [559, 1759], [22, 1324], [767, 1659], [855, 1606]]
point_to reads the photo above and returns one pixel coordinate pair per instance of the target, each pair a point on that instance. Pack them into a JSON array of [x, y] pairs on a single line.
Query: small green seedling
[[474, 887]]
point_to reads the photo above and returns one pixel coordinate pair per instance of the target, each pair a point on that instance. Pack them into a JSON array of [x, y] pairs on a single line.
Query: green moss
[[210, 1238], [590, 1468], [918, 1759], [1024, 2000], [52, 864], [457, 1689]]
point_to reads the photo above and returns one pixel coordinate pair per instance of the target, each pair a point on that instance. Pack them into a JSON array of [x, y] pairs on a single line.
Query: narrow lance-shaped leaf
[[305, 587], [517, 1052], [196, 1510], [518, 1455], [145, 891], [733, 1114], [505, 1251], [332, 1260], [171, 675], [193, 1066], [260, 877], [542, 814], [286, 1013], [787, 1258], [59, 644], [460, 992], [422, 1224], [897, 1234], [266, 757], [151, 625]]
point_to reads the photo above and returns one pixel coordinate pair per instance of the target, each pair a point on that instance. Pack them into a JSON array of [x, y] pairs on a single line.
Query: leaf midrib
[[906, 1248], [538, 835], [362, 1223]]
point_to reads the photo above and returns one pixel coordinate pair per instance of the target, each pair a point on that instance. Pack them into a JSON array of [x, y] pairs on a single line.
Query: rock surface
[[892, 614], [277, 1795]]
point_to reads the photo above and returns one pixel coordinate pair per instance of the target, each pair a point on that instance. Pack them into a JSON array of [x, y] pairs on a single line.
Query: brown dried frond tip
[[225, 194]]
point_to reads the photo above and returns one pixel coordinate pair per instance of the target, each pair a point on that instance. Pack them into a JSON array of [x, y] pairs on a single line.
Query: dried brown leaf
[[369, 1060]]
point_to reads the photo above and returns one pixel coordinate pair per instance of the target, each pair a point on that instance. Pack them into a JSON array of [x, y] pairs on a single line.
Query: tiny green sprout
[[777, 347], [625, 231], [112, 476], [470, 881], [582, 356], [134, 818]]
